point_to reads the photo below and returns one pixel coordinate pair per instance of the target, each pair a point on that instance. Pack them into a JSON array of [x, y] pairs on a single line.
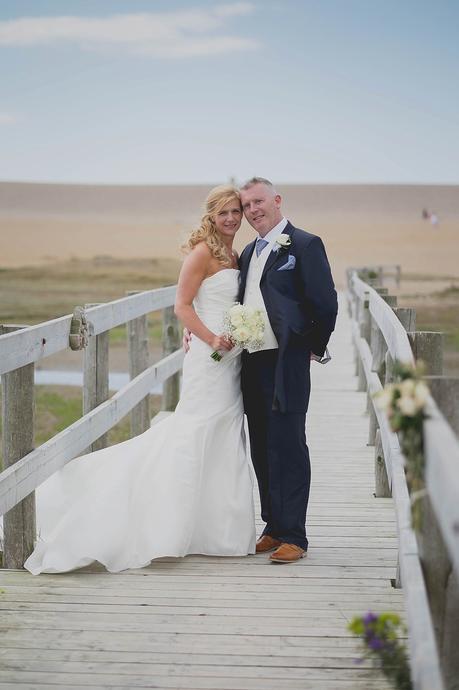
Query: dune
[[360, 224]]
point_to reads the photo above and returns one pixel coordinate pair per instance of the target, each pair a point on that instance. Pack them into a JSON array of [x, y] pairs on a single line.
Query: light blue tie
[[260, 245]]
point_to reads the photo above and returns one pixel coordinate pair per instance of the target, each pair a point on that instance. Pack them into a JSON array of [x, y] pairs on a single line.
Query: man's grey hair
[[258, 180]]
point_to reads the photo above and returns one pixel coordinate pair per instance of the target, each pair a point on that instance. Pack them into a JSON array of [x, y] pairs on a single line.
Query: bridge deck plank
[[237, 623]]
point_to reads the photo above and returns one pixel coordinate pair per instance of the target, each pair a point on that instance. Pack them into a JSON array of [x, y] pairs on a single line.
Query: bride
[[185, 485]]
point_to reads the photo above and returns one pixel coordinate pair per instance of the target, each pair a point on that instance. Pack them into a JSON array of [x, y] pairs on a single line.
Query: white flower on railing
[[406, 398], [404, 404]]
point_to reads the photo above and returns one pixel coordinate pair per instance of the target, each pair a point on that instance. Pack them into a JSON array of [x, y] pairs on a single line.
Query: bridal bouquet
[[244, 326]]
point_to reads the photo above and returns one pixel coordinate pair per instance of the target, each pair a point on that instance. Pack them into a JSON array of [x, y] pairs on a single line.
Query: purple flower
[[369, 618], [376, 644]]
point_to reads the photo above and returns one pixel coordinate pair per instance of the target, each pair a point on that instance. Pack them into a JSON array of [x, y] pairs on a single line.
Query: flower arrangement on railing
[[380, 636], [404, 403]]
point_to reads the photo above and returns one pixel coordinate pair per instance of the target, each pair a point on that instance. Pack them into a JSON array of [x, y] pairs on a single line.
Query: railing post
[[365, 321], [378, 349], [18, 440], [436, 566], [171, 342], [382, 488], [445, 392], [95, 377], [391, 300], [365, 331], [137, 334], [449, 655], [388, 360], [372, 421], [407, 318], [381, 290], [442, 582], [428, 347]]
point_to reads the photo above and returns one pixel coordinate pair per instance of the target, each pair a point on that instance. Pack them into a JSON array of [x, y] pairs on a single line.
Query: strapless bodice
[[215, 296]]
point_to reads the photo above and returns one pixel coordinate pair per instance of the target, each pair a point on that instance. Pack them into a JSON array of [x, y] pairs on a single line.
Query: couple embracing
[[184, 486]]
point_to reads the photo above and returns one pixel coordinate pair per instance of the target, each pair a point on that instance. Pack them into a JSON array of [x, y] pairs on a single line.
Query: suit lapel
[[246, 256], [275, 255]]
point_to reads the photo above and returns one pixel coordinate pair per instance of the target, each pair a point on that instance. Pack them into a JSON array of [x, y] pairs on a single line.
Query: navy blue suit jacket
[[302, 306]]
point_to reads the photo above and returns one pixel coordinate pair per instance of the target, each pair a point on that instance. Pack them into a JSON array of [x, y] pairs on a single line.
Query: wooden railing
[[25, 467], [429, 559]]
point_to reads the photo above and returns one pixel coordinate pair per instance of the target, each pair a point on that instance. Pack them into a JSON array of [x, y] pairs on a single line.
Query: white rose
[[252, 320], [383, 399], [236, 320], [236, 314], [406, 387], [241, 334], [421, 393], [237, 310], [284, 240], [407, 406]]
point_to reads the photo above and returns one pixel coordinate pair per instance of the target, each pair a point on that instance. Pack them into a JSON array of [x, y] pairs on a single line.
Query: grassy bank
[[33, 294], [30, 295], [56, 407], [437, 309]]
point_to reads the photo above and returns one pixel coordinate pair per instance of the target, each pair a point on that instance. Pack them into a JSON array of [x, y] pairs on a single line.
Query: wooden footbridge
[[238, 623]]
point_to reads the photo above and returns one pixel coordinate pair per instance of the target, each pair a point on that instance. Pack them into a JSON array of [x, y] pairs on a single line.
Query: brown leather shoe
[[287, 553], [267, 543]]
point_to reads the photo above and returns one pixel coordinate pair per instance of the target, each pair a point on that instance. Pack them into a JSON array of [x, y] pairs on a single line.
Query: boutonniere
[[283, 241]]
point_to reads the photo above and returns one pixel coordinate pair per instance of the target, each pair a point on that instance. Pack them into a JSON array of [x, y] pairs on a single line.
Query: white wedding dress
[[182, 487]]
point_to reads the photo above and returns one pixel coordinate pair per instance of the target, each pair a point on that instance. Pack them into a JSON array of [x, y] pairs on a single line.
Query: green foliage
[[368, 274], [118, 335], [56, 407], [380, 635], [32, 294]]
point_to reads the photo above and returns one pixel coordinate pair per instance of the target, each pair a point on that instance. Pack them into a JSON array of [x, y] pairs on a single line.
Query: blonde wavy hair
[[207, 231]]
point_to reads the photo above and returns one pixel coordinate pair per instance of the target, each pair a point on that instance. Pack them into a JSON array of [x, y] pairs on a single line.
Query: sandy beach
[[360, 224]]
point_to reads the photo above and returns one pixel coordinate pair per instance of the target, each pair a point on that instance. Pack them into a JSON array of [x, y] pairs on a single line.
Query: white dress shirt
[[273, 234], [252, 295]]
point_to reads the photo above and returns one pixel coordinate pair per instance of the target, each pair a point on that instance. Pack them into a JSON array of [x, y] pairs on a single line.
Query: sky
[[200, 91]]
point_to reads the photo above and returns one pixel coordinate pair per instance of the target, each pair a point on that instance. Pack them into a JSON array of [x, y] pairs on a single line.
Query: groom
[[285, 273]]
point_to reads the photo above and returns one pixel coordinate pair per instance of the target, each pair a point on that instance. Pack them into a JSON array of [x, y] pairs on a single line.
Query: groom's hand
[[186, 340]]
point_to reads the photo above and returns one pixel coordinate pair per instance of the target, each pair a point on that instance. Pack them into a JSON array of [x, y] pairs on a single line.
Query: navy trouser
[[280, 455]]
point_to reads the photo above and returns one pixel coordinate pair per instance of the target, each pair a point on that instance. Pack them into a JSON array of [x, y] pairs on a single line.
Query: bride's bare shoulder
[[196, 264], [201, 250]]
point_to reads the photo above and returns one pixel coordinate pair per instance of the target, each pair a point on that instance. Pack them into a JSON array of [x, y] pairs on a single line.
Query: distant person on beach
[[430, 216]]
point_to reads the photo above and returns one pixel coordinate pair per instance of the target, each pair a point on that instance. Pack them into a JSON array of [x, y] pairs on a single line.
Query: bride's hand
[[221, 342]]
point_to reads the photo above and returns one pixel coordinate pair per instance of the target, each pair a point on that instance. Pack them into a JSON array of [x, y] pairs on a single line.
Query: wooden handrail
[[35, 342], [24, 476], [391, 328], [424, 658], [22, 346]]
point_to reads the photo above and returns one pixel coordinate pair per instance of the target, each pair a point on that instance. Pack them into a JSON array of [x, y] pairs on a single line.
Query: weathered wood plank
[[44, 339], [138, 355], [19, 480], [50, 680], [17, 441], [241, 623]]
